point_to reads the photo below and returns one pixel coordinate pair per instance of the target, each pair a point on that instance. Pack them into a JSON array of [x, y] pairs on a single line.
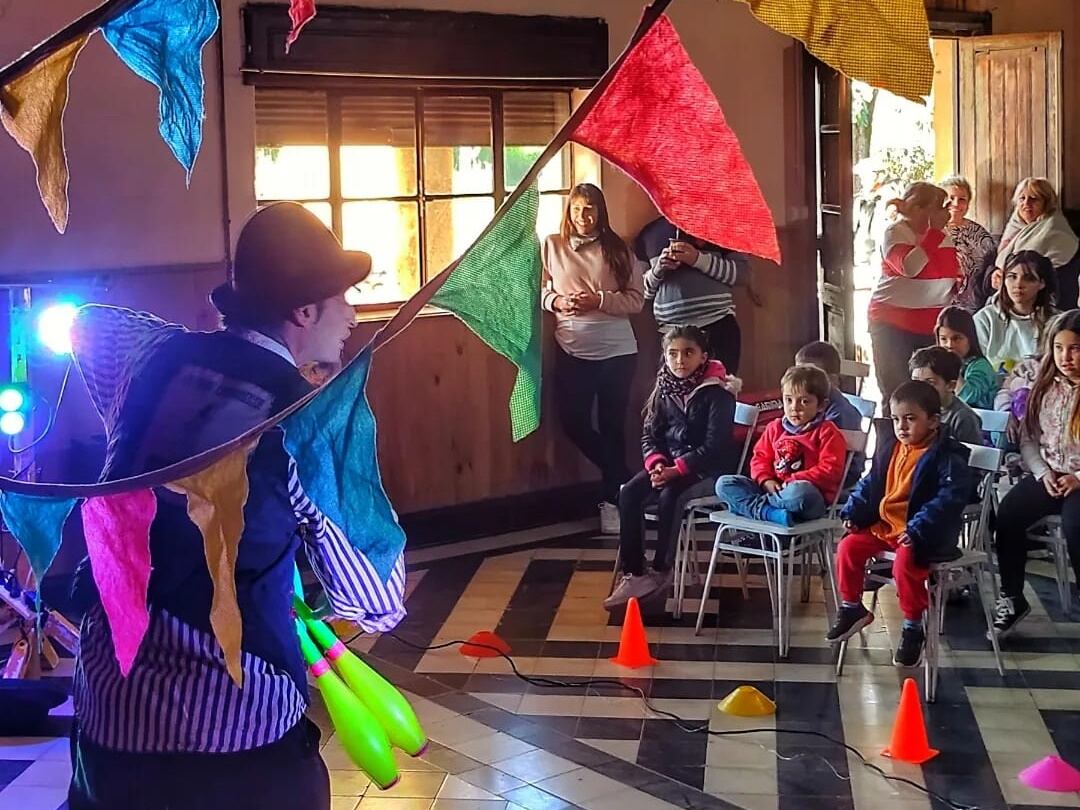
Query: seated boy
[[798, 461], [838, 410], [911, 503], [940, 368]]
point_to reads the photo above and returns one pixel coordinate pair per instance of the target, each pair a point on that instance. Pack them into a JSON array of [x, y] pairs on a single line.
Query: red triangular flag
[[301, 12], [660, 123]]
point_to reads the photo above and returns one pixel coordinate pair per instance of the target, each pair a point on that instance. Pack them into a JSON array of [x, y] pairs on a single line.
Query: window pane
[[457, 145], [378, 152], [322, 211], [531, 118], [390, 232], [292, 161], [549, 217], [452, 225]]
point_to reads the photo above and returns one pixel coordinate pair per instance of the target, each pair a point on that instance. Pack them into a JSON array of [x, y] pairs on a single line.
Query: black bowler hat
[[286, 258]]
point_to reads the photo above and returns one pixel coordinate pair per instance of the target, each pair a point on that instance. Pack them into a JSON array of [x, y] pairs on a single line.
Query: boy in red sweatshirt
[[798, 462]]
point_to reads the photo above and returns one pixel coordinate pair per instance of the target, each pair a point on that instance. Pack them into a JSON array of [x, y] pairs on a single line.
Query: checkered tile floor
[[498, 742]]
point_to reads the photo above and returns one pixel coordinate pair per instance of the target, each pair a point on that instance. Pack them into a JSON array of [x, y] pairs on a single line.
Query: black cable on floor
[[681, 723]]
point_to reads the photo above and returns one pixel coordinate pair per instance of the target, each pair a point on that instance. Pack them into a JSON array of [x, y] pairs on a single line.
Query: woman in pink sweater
[[593, 285]]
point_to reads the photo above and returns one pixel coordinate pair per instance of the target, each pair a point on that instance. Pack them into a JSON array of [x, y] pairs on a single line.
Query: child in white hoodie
[[1010, 324]]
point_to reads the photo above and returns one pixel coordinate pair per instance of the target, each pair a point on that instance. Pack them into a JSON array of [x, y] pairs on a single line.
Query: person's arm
[[653, 278], [628, 301], [1031, 453], [763, 459], [653, 447], [547, 290], [968, 428], [826, 475], [980, 383], [718, 436], [908, 256], [353, 587], [861, 508], [984, 328], [729, 266], [955, 484]]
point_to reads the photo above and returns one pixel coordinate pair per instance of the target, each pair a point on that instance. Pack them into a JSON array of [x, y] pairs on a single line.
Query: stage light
[[12, 423], [54, 327], [12, 399]]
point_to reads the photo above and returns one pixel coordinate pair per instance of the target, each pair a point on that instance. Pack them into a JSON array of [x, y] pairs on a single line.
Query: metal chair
[[1048, 531], [865, 407], [776, 545], [967, 569], [994, 422], [696, 512], [853, 368]]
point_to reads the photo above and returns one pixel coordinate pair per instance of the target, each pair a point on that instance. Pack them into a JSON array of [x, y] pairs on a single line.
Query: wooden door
[[1010, 118], [835, 203]]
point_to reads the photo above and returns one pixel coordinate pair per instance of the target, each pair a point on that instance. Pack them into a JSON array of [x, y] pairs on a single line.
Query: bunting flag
[[37, 524], [493, 291], [301, 12], [215, 503], [162, 42], [332, 440], [885, 43], [117, 529], [32, 111], [659, 122]]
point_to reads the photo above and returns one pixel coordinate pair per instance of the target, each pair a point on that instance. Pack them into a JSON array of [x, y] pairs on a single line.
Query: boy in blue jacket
[[911, 504]]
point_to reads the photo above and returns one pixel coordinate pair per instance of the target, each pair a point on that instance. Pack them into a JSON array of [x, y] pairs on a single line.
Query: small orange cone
[[909, 742], [633, 646], [492, 645]]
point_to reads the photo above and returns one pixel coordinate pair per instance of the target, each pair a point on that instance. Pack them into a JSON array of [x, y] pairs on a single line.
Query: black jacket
[[697, 439], [940, 490]]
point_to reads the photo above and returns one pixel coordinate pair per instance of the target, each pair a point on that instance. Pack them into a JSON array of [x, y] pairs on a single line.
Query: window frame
[[418, 93]]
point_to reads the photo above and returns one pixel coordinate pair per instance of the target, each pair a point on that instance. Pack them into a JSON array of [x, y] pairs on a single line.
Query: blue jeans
[[800, 499]]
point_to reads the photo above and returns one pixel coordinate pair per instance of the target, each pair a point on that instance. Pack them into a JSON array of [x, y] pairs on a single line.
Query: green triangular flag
[[495, 292], [37, 524]]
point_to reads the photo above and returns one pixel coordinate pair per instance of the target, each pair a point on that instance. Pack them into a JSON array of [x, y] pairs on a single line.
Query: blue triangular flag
[[332, 441], [37, 524]]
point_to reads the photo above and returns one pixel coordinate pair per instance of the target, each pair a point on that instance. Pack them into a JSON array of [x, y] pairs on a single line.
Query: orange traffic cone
[[633, 646], [909, 742]]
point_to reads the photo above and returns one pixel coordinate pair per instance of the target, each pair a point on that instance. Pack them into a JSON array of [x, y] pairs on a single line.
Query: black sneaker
[[849, 621], [909, 651], [1007, 612]]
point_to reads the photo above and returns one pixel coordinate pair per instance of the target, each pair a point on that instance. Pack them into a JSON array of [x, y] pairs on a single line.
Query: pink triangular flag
[[301, 12], [117, 529], [1051, 773]]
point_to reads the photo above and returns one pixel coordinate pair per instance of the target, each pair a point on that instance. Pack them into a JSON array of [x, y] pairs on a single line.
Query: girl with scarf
[[593, 285], [686, 442], [1038, 224]]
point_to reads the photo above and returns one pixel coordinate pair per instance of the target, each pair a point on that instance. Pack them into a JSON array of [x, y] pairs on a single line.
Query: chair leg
[[1061, 564], [785, 589], [680, 572], [830, 570], [708, 582], [930, 651], [769, 582], [741, 565], [615, 571], [692, 547], [806, 556], [977, 571]]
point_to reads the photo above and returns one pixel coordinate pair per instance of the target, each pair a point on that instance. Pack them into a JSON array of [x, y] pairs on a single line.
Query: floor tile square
[[580, 785], [493, 748], [535, 766], [532, 798]]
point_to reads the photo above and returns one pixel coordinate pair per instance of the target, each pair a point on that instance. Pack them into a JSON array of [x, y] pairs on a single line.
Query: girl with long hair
[[1050, 447], [593, 285], [1011, 323]]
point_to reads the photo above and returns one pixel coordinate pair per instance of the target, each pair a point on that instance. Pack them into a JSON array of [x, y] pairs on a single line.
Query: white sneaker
[[630, 586], [609, 518]]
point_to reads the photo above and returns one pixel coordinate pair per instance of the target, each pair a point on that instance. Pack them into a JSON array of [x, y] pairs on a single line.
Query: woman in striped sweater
[[919, 269]]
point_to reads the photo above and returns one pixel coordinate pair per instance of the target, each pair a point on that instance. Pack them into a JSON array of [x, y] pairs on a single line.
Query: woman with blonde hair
[[1038, 224], [919, 271], [975, 247]]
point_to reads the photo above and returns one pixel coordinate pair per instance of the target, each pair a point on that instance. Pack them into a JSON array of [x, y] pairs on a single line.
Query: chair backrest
[[865, 407], [994, 422], [986, 460], [856, 443], [853, 368], [747, 416]]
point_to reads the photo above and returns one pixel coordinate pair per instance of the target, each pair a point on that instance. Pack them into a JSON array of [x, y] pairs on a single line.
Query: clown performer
[[178, 732]]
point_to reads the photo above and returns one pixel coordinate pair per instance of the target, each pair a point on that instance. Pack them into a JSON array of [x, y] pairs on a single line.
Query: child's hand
[[564, 304], [1067, 484], [683, 252], [586, 301], [1050, 481], [772, 486], [665, 475]]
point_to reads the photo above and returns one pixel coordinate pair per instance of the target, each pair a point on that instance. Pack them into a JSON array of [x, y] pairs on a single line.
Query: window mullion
[[498, 143], [333, 136], [421, 208]]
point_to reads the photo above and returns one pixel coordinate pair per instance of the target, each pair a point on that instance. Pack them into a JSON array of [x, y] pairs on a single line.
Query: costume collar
[[265, 342]]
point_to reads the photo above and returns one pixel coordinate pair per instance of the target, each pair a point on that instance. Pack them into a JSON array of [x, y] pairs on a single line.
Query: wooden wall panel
[[440, 395]]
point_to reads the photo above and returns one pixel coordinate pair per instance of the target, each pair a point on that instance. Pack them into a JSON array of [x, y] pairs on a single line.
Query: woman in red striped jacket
[[919, 269]]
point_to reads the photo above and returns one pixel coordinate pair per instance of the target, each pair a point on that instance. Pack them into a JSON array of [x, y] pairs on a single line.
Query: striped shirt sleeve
[[905, 254], [353, 587], [729, 268]]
